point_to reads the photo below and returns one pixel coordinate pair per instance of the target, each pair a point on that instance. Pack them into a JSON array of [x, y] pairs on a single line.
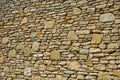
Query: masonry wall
[[60, 40]]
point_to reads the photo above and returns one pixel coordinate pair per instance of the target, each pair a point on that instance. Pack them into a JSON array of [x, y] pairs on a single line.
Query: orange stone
[[89, 63], [67, 17], [116, 73], [39, 33]]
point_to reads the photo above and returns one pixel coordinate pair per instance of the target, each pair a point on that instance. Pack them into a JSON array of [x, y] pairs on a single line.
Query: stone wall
[[60, 40]]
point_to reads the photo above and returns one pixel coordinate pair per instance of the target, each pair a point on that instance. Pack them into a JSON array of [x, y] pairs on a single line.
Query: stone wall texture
[[59, 39]]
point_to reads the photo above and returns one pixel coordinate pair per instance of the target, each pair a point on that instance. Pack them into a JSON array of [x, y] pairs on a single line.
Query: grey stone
[[107, 17]]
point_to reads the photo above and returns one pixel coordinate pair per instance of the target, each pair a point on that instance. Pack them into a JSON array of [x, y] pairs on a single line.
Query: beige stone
[[100, 67], [103, 76], [20, 46], [112, 45], [74, 65], [95, 50], [49, 24], [76, 11], [2, 59], [89, 63], [5, 40], [12, 53], [34, 77], [55, 54], [42, 67], [102, 46], [72, 36], [35, 46], [96, 38], [24, 20], [59, 77]]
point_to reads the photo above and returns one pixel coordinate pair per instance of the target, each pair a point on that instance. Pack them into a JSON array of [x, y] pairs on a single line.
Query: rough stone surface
[[107, 17], [72, 36], [5, 40], [96, 38], [74, 65], [55, 55], [59, 39], [49, 24]]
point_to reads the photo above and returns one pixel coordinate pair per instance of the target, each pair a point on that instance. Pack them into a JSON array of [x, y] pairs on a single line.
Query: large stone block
[[55, 55], [72, 36], [96, 38]]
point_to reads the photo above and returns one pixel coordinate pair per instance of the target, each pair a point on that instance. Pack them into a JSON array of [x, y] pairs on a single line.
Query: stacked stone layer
[[60, 40]]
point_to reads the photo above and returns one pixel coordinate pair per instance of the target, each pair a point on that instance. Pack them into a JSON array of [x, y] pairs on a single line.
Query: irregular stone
[[46, 54], [104, 76], [67, 18], [84, 22], [102, 46], [107, 17], [74, 48], [117, 20], [59, 77], [35, 46], [12, 53], [27, 51], [113, 45], [80, 77], [33, 34], [95, 50], [49, 24], [76, 11], [24, 20], [74, 65], [116, 73], [27, 71], [2, 59], [5, 40], [100, 67], [89, 63], [83, 51], [72, 36], [34, 77], [96, 38], [6, 69], [83, 32], [20, 46], [69, 72], [55, 55], [42, 67]]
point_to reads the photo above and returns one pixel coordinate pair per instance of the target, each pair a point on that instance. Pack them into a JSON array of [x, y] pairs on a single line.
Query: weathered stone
[[89, 63], [74, 65], [24, 20], [83, 32], [6, 69], [113, 45], [116, 73], [95, 50], [49, 24], [102, 46], [104, 76], [27, 71], [46, 54], [35, 46], [2, 59], [81, 77], [107, 17], [72, 36], [96, 38], [100, 67], [76, 11], [42, 67], [59, 77], [34, 77], [33, 34], [67, 18], [5, 40], [12, 53], [55, 54], [117, 21], [27, 51], [20, 46]]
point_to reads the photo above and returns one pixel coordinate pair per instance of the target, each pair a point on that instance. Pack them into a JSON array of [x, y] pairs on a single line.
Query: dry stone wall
[[60, 40]]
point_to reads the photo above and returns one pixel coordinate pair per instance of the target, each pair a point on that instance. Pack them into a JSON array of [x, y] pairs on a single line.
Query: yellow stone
[[55, 55], [116, 73], [96, 38], [67, 18], [89, 63]]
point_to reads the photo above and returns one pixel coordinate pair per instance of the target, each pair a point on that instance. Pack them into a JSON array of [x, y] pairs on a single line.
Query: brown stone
[[59, 77], [67, 18], [89, 63], [42, 67], [116, 73], [1, 59], [34, 77]]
